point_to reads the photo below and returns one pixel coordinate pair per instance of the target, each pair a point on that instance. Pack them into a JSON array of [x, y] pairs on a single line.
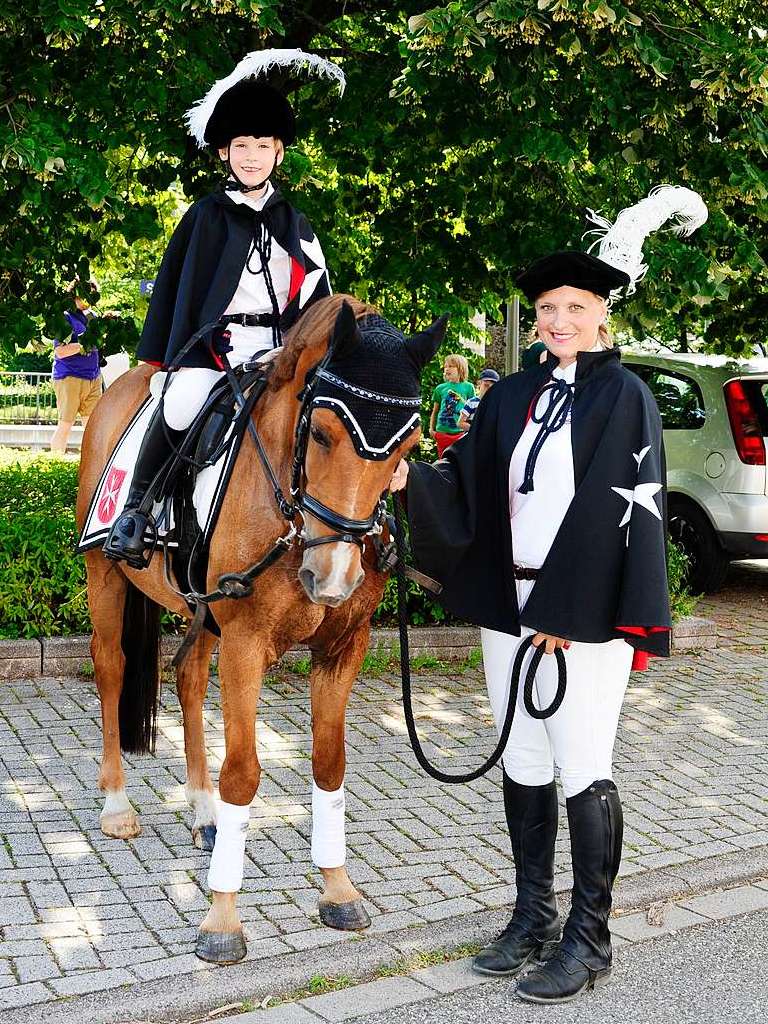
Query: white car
[[715, 418]]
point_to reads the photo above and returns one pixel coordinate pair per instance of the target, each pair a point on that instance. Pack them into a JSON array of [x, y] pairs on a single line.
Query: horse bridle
[[344, 530]]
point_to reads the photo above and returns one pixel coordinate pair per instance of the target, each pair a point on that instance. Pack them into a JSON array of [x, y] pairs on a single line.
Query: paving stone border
[[722, 890], [70, 655], [457, 975]]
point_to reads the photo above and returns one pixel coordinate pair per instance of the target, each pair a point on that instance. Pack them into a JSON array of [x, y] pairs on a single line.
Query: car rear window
[[678, 397]]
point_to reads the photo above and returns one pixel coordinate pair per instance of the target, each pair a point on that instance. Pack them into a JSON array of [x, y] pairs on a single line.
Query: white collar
[[569, 373], [248, 200]]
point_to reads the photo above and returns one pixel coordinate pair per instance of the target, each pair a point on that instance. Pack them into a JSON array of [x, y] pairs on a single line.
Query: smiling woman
[[545, 526], [568, 321]]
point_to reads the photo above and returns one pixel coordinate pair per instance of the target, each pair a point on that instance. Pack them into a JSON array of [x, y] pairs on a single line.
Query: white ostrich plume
[[621, 243], [253, 65]]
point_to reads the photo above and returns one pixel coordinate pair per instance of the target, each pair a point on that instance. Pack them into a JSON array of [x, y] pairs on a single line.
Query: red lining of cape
[[640, 658], [298, 273]]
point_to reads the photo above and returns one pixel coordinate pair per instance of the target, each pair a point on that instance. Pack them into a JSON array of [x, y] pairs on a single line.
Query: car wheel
[[708, 564]]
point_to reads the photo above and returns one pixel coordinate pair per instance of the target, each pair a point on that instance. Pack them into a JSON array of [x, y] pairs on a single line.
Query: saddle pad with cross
[[109, 497]]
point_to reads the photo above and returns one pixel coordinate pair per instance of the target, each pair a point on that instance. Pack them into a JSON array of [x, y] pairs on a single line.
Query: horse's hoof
[[123, 825], [204, 837], [221, 947], [347, 917]]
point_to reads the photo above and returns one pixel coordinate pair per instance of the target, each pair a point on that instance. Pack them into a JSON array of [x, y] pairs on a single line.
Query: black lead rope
[[530, 677]]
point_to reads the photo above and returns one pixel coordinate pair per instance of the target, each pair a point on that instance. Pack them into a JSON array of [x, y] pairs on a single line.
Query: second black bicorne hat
[[573, 268]]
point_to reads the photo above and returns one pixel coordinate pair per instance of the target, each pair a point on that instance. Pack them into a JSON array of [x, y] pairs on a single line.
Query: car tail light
[[745, 424], [762, 537]]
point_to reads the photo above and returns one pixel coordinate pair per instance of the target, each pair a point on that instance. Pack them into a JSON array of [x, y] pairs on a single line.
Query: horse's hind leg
[[341, 905], [192, 682], [107, 589]]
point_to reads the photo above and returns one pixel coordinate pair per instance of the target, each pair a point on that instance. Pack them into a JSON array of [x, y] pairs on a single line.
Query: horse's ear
[[346, 334], [423, 345]]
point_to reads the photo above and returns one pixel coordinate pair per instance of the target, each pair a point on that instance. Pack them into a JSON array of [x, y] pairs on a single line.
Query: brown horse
[[323, 595]]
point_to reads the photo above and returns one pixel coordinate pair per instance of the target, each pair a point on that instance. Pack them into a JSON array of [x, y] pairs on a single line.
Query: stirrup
[[126, 539]]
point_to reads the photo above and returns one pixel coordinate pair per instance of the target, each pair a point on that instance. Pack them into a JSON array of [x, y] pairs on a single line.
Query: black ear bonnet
[[372, 381]]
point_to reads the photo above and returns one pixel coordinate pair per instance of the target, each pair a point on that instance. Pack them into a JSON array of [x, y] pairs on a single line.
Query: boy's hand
[[551, 643]]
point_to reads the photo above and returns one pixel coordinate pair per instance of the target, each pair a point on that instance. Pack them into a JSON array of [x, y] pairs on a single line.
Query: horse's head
[[360, 418]]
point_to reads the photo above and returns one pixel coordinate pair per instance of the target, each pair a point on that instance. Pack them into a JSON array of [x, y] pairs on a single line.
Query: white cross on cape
[[642, 494]]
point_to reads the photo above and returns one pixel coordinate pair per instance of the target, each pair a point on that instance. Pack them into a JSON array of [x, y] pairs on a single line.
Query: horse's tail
[[140, 695]]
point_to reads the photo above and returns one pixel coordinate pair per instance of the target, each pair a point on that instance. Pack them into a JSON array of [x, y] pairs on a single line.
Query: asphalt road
[[712, 974]]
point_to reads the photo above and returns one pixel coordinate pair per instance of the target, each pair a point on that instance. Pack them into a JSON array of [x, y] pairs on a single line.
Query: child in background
[[448, 400], [485, 382]]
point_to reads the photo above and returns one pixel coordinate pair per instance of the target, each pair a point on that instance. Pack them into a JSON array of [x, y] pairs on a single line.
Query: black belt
[[251, 319], [523, 572]]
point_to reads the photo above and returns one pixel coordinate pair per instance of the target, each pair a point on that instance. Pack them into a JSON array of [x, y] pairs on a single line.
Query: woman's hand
[[399, 477], [551, 643]]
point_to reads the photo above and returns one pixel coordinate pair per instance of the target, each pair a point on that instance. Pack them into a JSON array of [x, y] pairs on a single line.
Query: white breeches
[[191, 385], [579, 737]]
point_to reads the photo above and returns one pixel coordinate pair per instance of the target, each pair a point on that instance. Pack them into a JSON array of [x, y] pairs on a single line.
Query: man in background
[[76, 374]]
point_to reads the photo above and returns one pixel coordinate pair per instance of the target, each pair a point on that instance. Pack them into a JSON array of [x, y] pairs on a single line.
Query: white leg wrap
[[329, 845], [116, 802], [226, 871]]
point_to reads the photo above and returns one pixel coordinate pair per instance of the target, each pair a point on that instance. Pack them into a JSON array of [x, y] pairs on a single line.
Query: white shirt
[[251, 295], [537, 516]]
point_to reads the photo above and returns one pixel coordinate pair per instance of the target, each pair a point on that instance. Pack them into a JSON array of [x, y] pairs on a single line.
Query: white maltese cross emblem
[[642, 494]]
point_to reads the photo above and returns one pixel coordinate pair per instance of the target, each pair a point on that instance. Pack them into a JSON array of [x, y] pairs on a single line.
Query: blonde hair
[[460, 363], [604, 336]]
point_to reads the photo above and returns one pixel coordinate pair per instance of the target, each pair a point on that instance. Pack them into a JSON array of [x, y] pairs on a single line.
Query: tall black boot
[[583, 958], [125, 540], [535, 926]]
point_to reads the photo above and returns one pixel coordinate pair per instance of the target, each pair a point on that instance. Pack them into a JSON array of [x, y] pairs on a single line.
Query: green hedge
[[42, 580]]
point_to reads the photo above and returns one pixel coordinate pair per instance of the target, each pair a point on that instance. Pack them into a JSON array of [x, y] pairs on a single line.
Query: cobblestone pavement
[[81, 913]]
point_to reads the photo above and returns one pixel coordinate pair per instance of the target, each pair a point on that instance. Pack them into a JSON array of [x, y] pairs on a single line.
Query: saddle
[[215, 433]]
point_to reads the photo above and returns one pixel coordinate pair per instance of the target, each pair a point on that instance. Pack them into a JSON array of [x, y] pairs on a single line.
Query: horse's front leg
[[191, 683], [340, 905], [241, 667]]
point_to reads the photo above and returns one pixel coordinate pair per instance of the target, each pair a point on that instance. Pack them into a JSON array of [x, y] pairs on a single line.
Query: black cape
[[201, 269], [601, 580]]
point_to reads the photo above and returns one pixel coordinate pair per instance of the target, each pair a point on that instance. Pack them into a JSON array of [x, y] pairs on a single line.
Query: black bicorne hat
[[251, 108], [576, 269], [244, 103]]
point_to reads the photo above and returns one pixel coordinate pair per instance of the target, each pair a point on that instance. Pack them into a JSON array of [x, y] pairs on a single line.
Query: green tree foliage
[[573, 104], [471, 138]]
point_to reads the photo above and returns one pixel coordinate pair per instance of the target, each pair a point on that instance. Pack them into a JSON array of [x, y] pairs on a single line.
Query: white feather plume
[[621, 243], [254, 65]]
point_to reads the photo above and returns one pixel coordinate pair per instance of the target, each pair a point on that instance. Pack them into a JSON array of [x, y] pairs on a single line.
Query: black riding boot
[[535, 926], [583, 958], [125, 540]]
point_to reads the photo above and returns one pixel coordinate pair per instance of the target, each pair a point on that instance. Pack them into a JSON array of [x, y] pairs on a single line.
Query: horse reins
[[514, 685], [237, 585]]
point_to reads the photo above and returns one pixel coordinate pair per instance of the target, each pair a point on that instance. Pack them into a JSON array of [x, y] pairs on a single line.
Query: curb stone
[[743, 884], [71, 655], [21, 659], [457, 975]]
